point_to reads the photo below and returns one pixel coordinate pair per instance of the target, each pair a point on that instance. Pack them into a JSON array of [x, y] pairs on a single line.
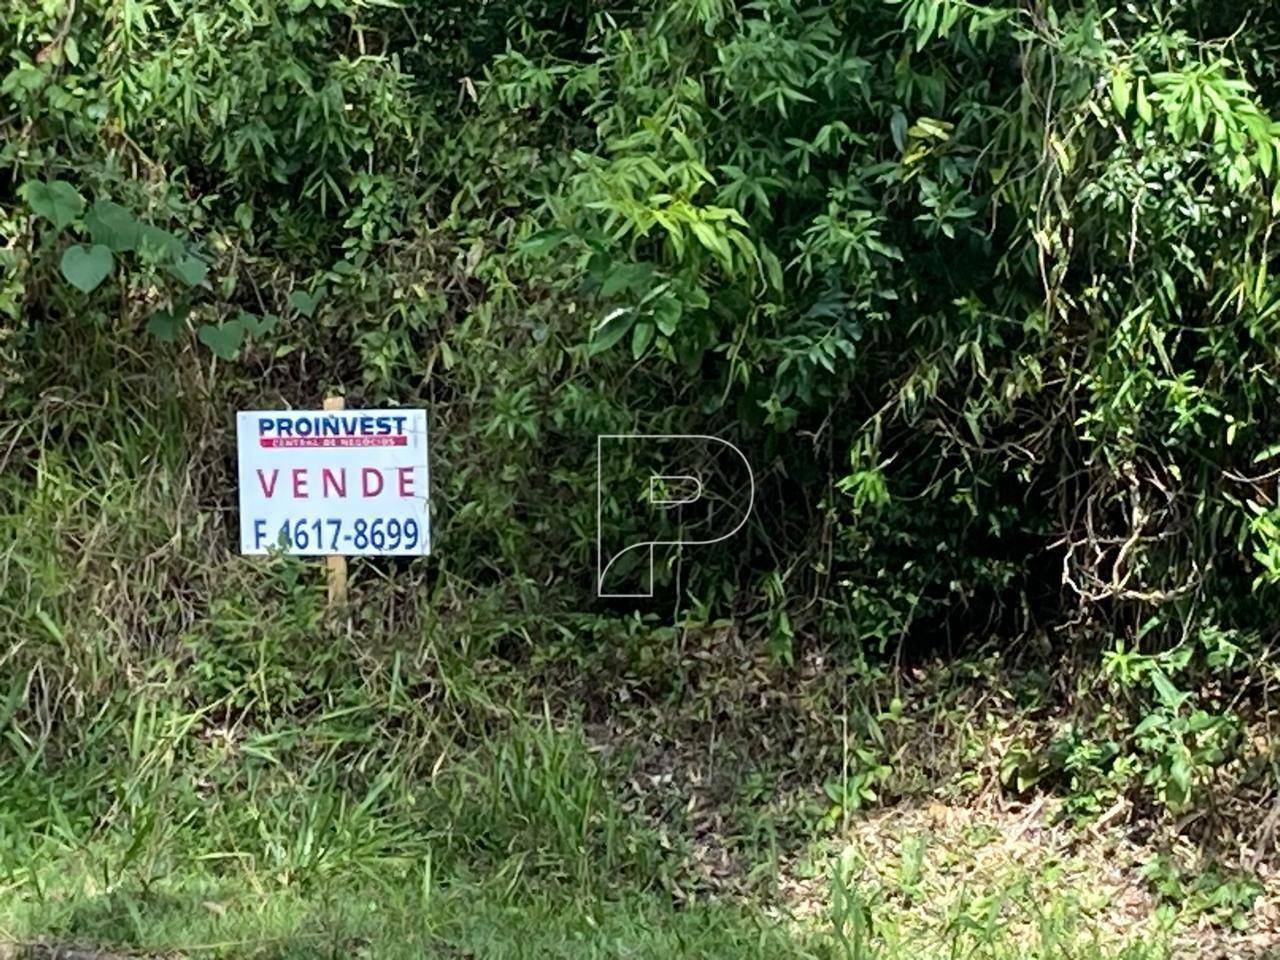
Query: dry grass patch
[[927, 878]]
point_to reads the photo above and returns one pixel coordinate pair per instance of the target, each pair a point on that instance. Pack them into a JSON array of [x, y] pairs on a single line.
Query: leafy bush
[[983, 289]]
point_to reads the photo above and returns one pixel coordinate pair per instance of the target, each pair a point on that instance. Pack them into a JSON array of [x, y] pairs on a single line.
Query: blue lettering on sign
[[334, 534], [332, 426]]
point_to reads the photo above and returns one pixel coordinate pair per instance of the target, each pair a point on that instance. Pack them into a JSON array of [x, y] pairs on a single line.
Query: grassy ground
[[199, 911], [196, 761], [531, 843], [369, 823], [210, 918], [381, 818]]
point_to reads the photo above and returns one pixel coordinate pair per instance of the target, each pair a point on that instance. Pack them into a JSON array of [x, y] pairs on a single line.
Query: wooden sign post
[[336, 563]]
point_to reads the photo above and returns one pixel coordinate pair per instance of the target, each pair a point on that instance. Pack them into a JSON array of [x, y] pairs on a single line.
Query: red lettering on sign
[[338, 483], [366, 474], [406, 481], [299, 484], [268, 488]]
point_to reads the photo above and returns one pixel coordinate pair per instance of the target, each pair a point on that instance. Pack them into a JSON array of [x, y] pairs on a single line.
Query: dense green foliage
[[983, 290]]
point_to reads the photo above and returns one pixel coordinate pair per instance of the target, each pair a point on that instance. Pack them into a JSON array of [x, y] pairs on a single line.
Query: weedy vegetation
[[981, 290]]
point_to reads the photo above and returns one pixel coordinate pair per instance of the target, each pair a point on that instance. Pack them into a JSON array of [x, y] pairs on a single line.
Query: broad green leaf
[[86, 266], [712, 241], [113, 226], [1144, 105], [1264, 157], [1121, 91], [625, 276], [57, 201], [164, 324], [544, 242], [641, 337], [157, 245], [23, 79], [1267, 453], [303, 302], [256, 326], [224, 340], [1169, 695], [666, 314], [1179, 788], [898, 129], [1152, 721], [190, 270], [772, 268], [609, 332]]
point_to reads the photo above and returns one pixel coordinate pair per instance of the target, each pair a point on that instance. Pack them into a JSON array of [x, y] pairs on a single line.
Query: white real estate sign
[[350, 482]]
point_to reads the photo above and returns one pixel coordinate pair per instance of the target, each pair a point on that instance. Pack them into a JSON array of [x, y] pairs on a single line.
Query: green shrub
[[983, 290]]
